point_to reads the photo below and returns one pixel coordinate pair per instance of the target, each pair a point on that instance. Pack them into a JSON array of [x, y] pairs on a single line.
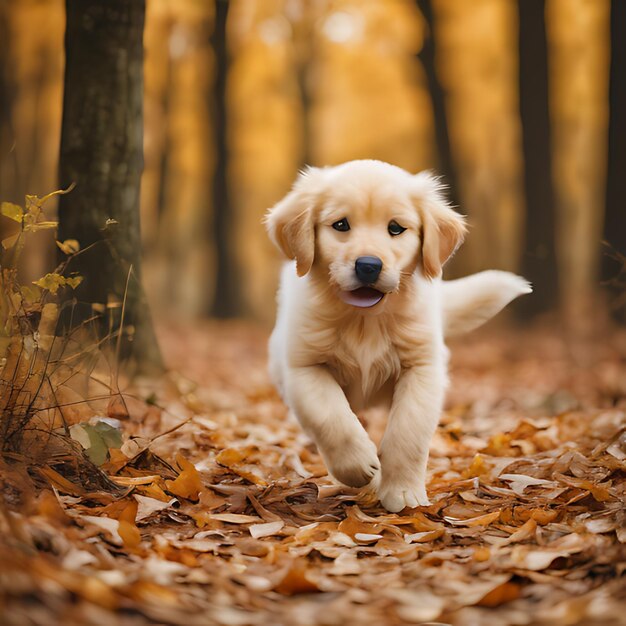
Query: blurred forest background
[[520, 104]]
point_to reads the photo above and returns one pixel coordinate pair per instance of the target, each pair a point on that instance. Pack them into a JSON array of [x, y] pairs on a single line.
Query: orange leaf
[[477, 468], [482, 554], [231, 456], [352, 525], [295, 581], [50, 507], [481, 520], [188, 483], [506, 592], [127, 529], [61, 483]]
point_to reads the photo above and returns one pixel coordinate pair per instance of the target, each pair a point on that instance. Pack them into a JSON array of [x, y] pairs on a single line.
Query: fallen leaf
[[526, 531], [481, 520], [519, 482], [296, 581], [235, 518], [127, 529], [111, 526], [265, 530], [188, 484], [506, 592], [149, 506]]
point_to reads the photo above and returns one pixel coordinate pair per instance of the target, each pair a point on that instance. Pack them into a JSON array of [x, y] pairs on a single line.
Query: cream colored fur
[[330, 360]]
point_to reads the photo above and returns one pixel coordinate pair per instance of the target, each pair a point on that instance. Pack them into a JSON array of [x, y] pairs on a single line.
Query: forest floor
[[218, 510]]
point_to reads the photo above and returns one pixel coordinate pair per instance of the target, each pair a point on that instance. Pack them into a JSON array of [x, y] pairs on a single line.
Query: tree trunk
[[615, 217], [427, 56], [226, 298], [102, 153], [539, 260], [7, 152]]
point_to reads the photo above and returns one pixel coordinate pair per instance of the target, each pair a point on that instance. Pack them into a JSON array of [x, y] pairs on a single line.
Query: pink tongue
[[363, 297]]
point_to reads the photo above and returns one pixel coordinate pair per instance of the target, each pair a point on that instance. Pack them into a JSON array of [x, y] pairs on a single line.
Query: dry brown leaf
[[296, 581], [127, 529], [526, 531], [61, 483], [149, 506], [188, 484], [480, 520], [234, 518], [265, 530], [506, 592], [426, 536]]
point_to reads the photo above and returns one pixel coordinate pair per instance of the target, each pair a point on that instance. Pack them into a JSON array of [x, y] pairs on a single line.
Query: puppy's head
[[365, 226]]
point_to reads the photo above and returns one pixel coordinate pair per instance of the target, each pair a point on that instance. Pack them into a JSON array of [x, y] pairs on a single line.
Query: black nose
[[368, 269]]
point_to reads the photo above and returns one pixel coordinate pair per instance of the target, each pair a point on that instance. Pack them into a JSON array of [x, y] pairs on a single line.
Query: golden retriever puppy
[[363, 314]]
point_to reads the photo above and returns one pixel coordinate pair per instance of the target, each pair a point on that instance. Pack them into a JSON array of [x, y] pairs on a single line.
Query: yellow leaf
[[73, 281], [30, 294], [9, 242], [69, 246], [51, 282], [477, 468], [12, 211]]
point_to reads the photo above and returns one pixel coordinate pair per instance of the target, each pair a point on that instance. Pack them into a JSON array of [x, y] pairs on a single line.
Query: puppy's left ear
[[443, 230], [290, 223]]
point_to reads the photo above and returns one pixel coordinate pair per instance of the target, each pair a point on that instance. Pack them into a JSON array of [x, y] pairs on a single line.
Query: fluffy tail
[[469, 302]]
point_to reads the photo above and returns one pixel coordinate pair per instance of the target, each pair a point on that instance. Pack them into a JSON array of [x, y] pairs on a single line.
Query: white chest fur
[[364, 356]]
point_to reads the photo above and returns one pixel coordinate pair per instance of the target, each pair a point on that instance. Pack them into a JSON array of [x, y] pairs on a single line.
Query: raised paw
[[395, 496], [355, 464]]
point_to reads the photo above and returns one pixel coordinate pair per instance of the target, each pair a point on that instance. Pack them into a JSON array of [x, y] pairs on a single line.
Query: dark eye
[[342, 225], [395, 229]]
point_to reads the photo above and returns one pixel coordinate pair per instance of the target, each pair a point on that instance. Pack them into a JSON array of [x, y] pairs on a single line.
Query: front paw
[[395, 496], [355, 464]]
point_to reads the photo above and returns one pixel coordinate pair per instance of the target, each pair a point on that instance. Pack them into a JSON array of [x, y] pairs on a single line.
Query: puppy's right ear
[[291, 222]]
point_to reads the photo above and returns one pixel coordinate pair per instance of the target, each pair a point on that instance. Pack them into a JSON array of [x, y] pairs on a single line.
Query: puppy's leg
[[323, 410], [415, 411]]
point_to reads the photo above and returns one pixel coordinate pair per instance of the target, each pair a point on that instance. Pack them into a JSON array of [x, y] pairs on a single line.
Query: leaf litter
[[213, 507]]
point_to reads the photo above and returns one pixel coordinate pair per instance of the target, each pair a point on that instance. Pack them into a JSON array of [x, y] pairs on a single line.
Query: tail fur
[[471, 301]]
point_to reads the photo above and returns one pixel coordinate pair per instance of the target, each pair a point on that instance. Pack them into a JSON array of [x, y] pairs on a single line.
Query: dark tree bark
[[102, 153], [539, 263], [427, 56], [615, 217], [303, 38], [226, 300], [7, 155]]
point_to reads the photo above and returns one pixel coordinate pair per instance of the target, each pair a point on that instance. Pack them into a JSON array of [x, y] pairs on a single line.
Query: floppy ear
[[443, 230], [291, 224]]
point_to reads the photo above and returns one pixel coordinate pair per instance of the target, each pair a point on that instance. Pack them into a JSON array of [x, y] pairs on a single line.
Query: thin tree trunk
[[615, 217], [539, 260], [427, 56], [303, 55], [7, 154], [226, 299], [102, 153]]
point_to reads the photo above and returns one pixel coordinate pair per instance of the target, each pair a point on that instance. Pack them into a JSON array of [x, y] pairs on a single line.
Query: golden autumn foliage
[[322, 83]]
